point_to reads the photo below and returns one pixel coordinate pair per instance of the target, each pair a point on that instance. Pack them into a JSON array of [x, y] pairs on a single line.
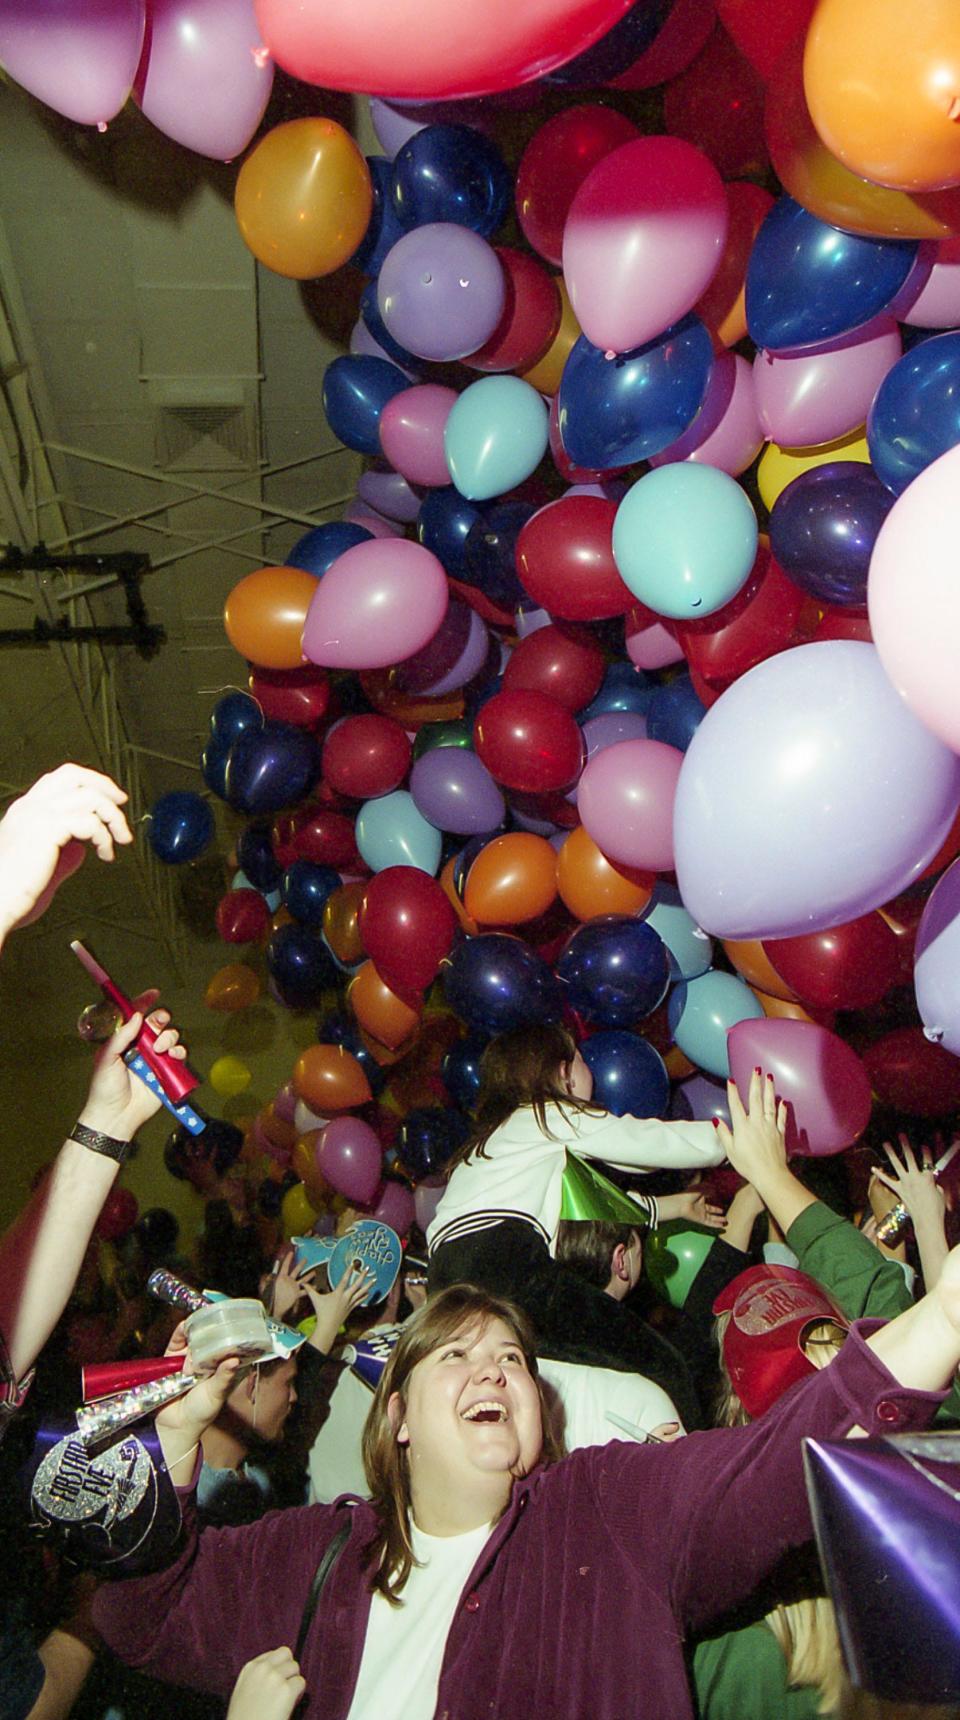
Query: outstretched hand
[[44, 834], [756, 1144], [913, 1183], [333, 1307]]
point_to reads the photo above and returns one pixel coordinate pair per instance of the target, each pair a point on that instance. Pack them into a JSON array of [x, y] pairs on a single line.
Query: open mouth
[[488, 1412]]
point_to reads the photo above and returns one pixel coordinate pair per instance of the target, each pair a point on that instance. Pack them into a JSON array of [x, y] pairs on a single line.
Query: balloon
[[389, 492], [314, 833], [391, 831], [328, 1078], [650, 645], [264, 616], [513, 879], [915, 415], [451, 173], [378, 603], [557, 661], [274, 768], [242, 917], [256, 857], [427, 1137], [690, 951], [355, 391], [299, 965], [832, 743], [554, 165], [117, 1216], [297, 1212], [340, 928], [460, 1070], [319, 548], [180, 828], [613, 412], [779, 466], [299, 696], [528, 741], [936, 969], [383, 228], [701, 1012], [808, 282], [306, 888], [411, 433], [495, 436], [699, 1099], [821, 393], [545, 375], [205, 79], [910, 1074], [443, 525], [565, 559], [455, 653], [726, 432], [303, 198], [614, 970], [675, 713], [687, 26], [849, 966], [231, 715], [426, 1199], [589, 884], [407, 926], [877, 91], [530, 318], [229, 1076], [672, 1257], [364, 756], [685, 539], [758, 622], [819, 1077], [761, 35], [717, 104], [824, 526], [626, 692], [722, 308], [379, 1011], [490, 551], [453, 789], [625, 798], [441, 291], [642, 240], [749, 957], [629, 1075], [622, 44], [79, 59], [937, 304], [914, 613], [232, 988], [495, 982]]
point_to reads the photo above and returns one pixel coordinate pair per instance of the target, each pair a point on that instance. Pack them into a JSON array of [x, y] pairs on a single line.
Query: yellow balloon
[[779, 466], [296, 1214], [303, 198], [546, 373], [229, 1076]]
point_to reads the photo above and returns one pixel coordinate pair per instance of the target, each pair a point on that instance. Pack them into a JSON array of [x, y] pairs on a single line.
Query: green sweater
[[742, 1675]]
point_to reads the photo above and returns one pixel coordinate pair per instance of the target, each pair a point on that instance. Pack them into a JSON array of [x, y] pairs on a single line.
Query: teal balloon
[[685, 540], [495, 436], [390, 831], [701, 1013], [689, 949]]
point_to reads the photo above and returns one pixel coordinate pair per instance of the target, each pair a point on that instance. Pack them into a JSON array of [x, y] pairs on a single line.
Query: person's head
[[535, 1065], [609, 1256], [775, 1326], [458, 1416], [259, 1404]]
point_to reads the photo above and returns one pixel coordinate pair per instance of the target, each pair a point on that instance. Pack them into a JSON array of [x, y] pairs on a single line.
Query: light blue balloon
[[240, 881], [690, 950], [685, 539], [390, 831], [495, 436], [701, 1013]]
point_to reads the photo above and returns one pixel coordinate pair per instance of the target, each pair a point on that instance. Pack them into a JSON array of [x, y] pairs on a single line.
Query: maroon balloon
[[242, 917], [407, 927], [846, 967], [559, 661], [819, 1076], [761, 620], [395, 1206], [299, 696], [118, 1215], [365, 756], [910, 1073], [529, 742], [314, 833], [565, 560], [531, 315]]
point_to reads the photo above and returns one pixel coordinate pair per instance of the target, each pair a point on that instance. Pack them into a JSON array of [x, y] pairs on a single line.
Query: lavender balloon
[[454, 791], [936, 973], [390, 494], [810, 794], [207, 76], [78, 56], [441, 291]]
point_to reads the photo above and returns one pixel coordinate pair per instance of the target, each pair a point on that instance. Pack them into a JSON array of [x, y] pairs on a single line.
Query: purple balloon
[[823, 528], [350, 1158], [810, 794], [936, 973], [453, 790], [206, 78], [396, 122], [699, 1100], [472, 659], [441, 291], [395, 1206], [441, 652], [390, 495], [78, 56]]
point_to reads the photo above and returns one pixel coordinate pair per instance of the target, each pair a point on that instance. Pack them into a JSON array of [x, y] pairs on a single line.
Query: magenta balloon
[[625, 800], [395, 1207], [379, 602], [825, 391], [411, 433], [349, 1157], [653, 647], [726, 432], [207, 77], [390, 495], [819, 1076], [285, 1104], [78, 56], [809, 795], [643, 239], [936, 303], [441, 290]]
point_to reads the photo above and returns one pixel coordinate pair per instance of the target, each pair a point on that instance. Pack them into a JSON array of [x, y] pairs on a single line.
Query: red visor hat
[[771, 1308]]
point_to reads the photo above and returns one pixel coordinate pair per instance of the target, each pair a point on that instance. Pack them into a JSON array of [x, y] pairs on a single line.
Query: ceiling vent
[[204, 425]]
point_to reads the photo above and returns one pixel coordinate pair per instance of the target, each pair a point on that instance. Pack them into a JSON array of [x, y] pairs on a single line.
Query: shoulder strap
[[328, 1559]]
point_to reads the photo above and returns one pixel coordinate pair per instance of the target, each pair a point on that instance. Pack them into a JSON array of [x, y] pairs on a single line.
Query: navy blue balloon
[[306, 886], [495, 982], [824, 525], [615, 411], [460, 1070], [337, 1029], [443, 526], [300, 966], [614, 970], [180, 828], [270, 1193], [675, 713], [373, 321], [272, 769], [232, 716], [256, 858], [428, 1137], [383, 229], [451, 173], [623, 688], [915, 416], [630, 37], [213, 767], [490, 552], [808, 282], [629, 1075], [318, 549], [356, 389]]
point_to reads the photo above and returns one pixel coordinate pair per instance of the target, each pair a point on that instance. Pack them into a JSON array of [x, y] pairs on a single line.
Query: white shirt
[[581, 1400]]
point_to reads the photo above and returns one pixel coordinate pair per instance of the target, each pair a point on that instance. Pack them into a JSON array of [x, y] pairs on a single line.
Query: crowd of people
[[545, 1490]]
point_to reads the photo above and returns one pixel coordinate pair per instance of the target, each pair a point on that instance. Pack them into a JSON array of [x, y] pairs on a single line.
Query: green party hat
[[589, 1195]]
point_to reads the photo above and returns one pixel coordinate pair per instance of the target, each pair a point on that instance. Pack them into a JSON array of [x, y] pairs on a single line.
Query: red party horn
[[102, 1379]]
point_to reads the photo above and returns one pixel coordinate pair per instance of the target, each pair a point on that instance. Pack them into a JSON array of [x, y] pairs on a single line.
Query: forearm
[[783, 1195], [646, 1143], [67, 1660], [932, 1247], [921, 1347]]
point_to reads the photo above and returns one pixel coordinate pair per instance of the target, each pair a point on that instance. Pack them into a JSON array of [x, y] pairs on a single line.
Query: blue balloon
[[428, 1137], [495, 436], [272, 769], [824, 525], [392, 831], [490, 552], [808, 282], [318, 549], [375, 325], [180, 828], [613, 412], [256, 857], [356, 389], [630, 37], [614, 970], [701, 1013], [232, 716], [213, 767], [689, 950], [443, 526], [623, 688], [495, 982], [915, 416], [451, 173], [383, 229], [675, 713], [300, 966], [629, 1075], [306, 886], [460, 1070]]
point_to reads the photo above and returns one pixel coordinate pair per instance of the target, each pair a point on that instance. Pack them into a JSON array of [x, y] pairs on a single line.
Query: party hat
[[588, 1194]]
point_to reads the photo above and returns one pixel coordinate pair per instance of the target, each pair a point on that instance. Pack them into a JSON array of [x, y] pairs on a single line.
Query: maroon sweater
[[578, 1604]]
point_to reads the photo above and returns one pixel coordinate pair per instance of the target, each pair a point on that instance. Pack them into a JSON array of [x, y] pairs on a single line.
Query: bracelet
[[108, 1145]]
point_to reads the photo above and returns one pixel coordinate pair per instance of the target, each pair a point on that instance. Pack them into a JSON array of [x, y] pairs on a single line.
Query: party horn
[[110, 1415], [174, 1077], [106, 1379]]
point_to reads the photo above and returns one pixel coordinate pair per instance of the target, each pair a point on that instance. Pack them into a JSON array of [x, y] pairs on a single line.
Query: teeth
[[490, 1411]]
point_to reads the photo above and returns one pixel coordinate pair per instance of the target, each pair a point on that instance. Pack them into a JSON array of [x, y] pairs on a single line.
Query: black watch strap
[[108, 1145]]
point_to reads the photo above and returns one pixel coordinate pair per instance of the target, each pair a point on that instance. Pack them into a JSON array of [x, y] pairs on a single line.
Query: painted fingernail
[[756, 1069], [715, 1121]]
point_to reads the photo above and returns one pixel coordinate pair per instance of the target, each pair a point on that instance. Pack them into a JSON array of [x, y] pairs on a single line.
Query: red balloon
[[565, 560], [687, 26], [846, 967], [118, 1215], [554, 165], [760, 621], [314, 833], [407, 927], [242, 917], [365, 756], [949, 851], [843, 624], [717, 103], [531, 315], [299, 696], [555, 660], [903, 916], [528, 741], [761, 31], [911, 1074]]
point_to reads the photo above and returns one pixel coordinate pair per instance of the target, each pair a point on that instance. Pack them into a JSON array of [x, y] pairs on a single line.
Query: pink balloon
[[726, 432], [653, 647], [819, 1076], [389, 494], [426, 1199], [625, 800], [350, 1158], [395, 1206], [78, 56], [643, 240], [206, 77], [937, 305], [358, 514], [823, 392], [411, 433], [285, 1105], [377, 604]]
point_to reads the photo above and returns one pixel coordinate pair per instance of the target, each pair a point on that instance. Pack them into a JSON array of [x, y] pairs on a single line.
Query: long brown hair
[[385, 1462], [522, 1067]]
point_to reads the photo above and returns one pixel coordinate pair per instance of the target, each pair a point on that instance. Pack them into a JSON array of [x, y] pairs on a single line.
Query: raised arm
[[916, 1186], [44, 834]]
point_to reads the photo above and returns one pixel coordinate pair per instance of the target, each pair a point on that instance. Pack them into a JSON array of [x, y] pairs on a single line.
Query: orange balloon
[[783, 1010], [545, 375], [232, 988], [590, 884], [265, 613], [513, 879], [467, 924], [678, 1066], [723, 306], [753, 964], [329, 1079], [379, 1010], [277, 1130], [340, 912], [381, 1053], [883, 88], [282, 917], [379, 686], [303, 198]]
